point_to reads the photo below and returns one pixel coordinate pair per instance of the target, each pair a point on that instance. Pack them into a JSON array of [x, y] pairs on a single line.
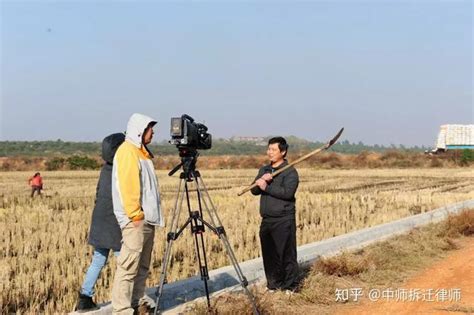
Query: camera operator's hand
[[267, 177], [261, 183]]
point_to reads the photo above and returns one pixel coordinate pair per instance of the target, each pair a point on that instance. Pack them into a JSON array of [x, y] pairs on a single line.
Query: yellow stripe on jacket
[[127, 161]]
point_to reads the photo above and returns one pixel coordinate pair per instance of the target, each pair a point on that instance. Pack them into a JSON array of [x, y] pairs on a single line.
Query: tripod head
[[188, 162]]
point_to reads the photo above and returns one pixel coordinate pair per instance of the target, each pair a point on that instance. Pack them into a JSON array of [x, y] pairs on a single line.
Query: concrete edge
[[224, 279]]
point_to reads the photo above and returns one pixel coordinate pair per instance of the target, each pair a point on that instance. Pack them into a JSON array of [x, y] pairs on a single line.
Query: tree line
[[219, 147]]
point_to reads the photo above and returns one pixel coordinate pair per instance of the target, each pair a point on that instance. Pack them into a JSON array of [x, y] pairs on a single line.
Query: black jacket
[[278, 199], [105, 231]]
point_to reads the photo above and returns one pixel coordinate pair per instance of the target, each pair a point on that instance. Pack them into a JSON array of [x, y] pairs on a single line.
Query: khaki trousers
[[133, 265]]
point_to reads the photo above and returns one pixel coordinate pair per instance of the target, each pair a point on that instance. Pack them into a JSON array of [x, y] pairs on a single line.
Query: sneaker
[[147, 301], [145, 305], [85, 304], [143, 310]]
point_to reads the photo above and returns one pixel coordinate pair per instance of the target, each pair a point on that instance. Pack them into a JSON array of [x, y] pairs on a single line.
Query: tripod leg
[[198, 228], [211, 210], [201, 257], [170, 238]]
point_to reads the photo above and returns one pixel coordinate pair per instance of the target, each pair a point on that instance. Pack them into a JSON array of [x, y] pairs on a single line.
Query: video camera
[[187, 134], [189, 137]]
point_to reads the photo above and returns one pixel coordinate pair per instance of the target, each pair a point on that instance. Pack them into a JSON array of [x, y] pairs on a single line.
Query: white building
[[455, 137]]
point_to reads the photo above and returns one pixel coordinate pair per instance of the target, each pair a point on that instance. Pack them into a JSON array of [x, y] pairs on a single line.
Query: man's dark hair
[[282, 145]]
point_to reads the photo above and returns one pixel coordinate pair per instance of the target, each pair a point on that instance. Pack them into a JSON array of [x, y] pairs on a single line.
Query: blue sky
[[391, 72]]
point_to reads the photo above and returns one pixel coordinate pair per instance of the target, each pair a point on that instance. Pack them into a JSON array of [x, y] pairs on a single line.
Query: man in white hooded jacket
[[136, 202]]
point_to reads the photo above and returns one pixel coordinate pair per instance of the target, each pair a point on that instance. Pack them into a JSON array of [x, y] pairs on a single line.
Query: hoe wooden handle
[[301, 159]]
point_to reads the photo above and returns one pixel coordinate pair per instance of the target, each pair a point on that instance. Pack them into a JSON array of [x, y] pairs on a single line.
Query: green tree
[[77, 162]]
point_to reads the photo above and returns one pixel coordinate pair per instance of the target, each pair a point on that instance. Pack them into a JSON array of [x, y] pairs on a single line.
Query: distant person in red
[[36, 183]]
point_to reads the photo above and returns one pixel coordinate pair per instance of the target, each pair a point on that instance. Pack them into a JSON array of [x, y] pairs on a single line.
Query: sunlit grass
[[44, 251]]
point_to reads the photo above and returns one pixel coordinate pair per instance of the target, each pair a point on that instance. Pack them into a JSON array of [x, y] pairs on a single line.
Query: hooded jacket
[[277, 201], [134, 183], [105, 231]]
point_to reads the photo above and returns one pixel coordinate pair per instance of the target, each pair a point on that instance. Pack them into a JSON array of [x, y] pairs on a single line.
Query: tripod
[[197, 224]]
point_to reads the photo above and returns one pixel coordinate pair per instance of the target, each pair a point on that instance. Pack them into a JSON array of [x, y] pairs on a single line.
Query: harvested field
[[44, 251]]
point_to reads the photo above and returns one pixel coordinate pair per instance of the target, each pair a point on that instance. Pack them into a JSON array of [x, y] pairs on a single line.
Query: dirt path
[[454, 272]]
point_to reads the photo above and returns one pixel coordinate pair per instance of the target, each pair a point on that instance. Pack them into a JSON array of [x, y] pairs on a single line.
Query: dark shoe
[[85, 304]]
